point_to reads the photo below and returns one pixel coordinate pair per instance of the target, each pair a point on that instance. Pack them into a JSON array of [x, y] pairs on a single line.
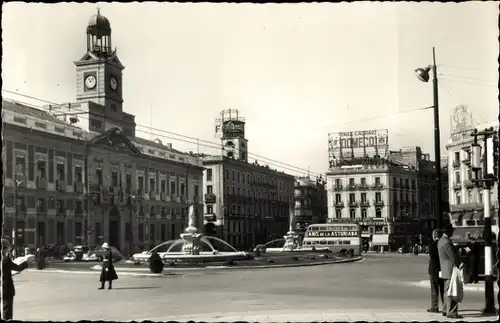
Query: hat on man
[[436, 233], [105, 245], [448, 227]]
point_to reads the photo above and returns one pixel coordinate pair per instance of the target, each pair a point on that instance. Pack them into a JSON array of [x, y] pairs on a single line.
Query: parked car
[[77, 253], [99, 253]]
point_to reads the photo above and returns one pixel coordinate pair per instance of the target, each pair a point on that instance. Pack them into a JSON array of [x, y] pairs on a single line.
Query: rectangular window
[[363, 181], [210, 209], [338, 198], [363, 197], [140, 184], [183, 188], [377, 180], [209, 174], [338, 213], [378, 196], [352, 198], [210, 189], [172, 188], [114, 178], [163, 186], [78, 174], [98, 174], [60, 171]]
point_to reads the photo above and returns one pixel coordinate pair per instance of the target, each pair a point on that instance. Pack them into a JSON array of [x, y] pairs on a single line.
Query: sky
[[296, 72]]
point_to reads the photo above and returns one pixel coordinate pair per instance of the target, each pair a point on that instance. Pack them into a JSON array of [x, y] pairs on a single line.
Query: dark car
[[100, 252]]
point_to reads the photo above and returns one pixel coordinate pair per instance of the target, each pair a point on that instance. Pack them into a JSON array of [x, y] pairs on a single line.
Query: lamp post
[[423, 75], [486, 183]]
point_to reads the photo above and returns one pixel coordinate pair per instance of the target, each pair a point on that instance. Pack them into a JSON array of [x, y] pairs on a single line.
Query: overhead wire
[[204, 143]]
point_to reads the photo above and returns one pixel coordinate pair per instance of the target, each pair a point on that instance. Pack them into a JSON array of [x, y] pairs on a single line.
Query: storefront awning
[[380, 240], [468, 216], [478, 215], [456, 216]]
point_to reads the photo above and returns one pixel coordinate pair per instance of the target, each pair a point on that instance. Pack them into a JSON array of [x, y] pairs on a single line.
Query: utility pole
[[487, 181]]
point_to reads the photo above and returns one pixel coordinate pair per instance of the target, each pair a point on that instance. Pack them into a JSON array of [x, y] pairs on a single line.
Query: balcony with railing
[[364, 203], [338, 187], [468, 184], [78, 187], [61, 185], [378, 186], [466, 160], [364, 187], [41, 183], [353, 204], [339, 205], [456, 163], [378, 203], [210, 198], [457, 186], [352, 187]]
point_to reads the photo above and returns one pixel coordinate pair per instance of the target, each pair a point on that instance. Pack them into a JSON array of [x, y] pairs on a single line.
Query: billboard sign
[[233, 128], [345, 147]]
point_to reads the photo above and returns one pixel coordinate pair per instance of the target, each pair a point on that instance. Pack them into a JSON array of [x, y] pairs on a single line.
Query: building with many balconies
[[310, 203], [466, 199], [78, 174], [384, 196], [245, 203]]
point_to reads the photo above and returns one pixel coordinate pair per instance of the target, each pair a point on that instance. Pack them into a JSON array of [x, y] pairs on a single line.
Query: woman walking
[[108, 273]]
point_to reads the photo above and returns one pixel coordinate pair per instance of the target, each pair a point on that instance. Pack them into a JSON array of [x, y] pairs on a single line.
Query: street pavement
[[374, 289]]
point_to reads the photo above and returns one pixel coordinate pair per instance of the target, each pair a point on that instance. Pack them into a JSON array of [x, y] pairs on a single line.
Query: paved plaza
[[374, 289]]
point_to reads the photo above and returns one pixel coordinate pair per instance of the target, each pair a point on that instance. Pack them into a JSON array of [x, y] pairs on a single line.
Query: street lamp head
[[423, 74]]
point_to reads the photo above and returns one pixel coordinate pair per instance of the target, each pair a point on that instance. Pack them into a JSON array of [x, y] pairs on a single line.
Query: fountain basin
[[201, 257], [301, 249]]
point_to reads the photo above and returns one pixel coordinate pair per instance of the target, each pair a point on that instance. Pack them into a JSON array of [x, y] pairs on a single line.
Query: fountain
[[191, 247], [291, 239]]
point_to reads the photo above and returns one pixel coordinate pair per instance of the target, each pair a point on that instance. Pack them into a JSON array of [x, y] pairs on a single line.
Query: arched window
[[378, 213]]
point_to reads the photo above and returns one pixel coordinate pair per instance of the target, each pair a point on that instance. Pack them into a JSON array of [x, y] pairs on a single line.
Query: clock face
[[113, 83], [90, 82]]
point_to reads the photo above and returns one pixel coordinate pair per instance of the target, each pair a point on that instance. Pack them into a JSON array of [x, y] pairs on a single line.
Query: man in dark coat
[[108, 273], [8, 290], [437, 284]]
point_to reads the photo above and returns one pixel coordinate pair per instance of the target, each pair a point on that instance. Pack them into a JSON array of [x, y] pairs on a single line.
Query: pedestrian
[[437, 283], [8, 290], [448, 259], [108, 273]]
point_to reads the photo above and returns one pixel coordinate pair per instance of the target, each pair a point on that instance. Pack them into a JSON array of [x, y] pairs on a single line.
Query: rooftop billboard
[[346, 147]]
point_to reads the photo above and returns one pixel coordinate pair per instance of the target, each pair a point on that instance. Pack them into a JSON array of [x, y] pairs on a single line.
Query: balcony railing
[[364, 204], [364, 187], [338, 187], [339, 205], [353, 204], [378, 186], [61, 185], [352, 187], [456, 163], [378, 203], [78, 187], [457, 186], [466, 160], [41, 183], [210, 198], [165, 197], [468, 184]]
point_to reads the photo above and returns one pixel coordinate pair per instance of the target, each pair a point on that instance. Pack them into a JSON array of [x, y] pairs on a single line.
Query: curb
[[468, 287], [336, 261], [94, 270]]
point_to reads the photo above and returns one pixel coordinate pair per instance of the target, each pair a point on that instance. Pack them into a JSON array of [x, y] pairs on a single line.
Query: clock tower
[[99, 80]]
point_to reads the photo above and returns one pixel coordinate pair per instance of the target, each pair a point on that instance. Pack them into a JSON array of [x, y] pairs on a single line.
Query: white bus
[[338, 237]]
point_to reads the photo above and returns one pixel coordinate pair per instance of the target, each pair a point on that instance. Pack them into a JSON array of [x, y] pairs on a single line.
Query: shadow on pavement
[[144, 287], [468, 313]]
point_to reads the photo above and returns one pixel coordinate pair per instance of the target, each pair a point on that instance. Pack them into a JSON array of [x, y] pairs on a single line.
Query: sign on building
[[345, 147]]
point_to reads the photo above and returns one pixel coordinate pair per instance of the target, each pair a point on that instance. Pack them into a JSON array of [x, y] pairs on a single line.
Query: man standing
[[437, 284], [8, 290], [448, 258]]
